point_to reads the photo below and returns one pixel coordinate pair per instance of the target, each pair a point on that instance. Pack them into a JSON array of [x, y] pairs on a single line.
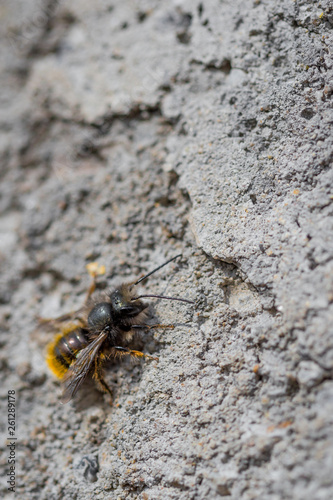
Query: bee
[[102, 329]]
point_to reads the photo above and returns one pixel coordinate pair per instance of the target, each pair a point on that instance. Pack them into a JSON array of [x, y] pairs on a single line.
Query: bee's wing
[[73, 319], [79, 369]]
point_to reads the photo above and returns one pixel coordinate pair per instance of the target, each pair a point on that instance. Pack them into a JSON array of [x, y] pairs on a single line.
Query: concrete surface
[[132, 131]]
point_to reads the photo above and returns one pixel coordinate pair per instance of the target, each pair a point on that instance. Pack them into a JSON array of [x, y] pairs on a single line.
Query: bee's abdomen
[[64, 349]]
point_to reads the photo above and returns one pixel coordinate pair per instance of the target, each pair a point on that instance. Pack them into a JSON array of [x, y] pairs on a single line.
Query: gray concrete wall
[[133, 131]]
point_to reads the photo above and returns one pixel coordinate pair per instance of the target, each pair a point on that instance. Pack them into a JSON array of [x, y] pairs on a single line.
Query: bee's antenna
[[163, 297], [154, 271]]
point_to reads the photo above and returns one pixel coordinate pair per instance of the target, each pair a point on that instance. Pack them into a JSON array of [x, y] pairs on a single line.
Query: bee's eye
[[100, 315], [129, 311]]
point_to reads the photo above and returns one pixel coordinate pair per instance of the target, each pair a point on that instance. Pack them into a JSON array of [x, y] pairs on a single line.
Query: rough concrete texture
[[133, 131]]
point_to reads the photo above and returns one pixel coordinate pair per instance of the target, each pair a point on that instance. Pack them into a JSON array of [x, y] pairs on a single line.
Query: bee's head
[[124, 304]]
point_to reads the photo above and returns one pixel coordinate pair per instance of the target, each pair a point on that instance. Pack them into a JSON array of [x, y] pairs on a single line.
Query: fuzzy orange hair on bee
[[103, 329]]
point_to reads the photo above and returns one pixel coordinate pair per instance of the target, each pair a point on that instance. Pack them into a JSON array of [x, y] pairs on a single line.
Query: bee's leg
[[136, 354], [94, 270], [92, 286], [103, 386]]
